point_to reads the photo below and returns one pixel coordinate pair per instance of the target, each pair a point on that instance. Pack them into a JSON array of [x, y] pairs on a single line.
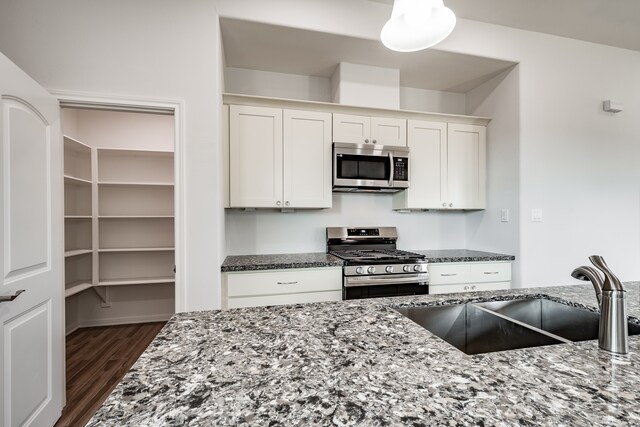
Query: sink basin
[[476, 328]]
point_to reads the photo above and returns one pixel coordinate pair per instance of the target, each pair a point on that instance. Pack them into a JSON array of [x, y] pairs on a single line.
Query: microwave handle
[[392, 169]]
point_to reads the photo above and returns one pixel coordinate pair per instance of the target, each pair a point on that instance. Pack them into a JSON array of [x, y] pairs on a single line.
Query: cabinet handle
[[287, 204], [491, 272], [444, 205], [366, 141], [450, 205], [449, 274], [278, 203], [287, 283]]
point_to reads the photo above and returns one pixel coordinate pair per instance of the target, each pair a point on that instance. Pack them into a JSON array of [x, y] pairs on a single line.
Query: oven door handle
[[350, 282]]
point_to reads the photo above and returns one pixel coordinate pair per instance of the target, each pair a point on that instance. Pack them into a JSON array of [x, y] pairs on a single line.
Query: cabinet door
[[387, 131], [466, 166], [353, 129], [255, 157], [307, 159], [427, 167]]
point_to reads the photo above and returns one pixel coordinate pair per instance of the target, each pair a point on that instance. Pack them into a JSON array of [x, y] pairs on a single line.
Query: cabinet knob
[[450, 205], [473, 287], [466, 288], [278, 203], [287, 204], [366, 141], [444, 205], [374, 141]]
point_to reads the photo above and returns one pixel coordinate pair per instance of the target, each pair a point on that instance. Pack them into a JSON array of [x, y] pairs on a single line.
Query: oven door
[[385, 286]]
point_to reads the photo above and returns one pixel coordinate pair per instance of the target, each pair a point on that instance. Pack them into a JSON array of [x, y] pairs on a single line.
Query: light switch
[[536, 215], [504, 215]]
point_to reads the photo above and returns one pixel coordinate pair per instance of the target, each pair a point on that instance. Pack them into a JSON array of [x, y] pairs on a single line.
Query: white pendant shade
[[417, 24]]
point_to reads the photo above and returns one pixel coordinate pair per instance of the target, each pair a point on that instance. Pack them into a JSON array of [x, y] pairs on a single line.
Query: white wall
[[271, 231], [277, 85], [158, 49], [577, 163], [499, 98], [433, 101]]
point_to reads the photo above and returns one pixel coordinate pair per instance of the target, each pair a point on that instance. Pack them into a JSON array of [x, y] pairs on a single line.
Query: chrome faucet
[[613, 333]]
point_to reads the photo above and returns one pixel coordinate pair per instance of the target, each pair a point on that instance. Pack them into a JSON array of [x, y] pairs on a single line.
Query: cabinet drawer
[[443, 274], [283, 282], [490, 272], [284, 299], [465, 287]]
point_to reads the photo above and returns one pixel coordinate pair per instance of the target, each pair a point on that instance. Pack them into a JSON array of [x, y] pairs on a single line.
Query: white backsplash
[[269, 231]]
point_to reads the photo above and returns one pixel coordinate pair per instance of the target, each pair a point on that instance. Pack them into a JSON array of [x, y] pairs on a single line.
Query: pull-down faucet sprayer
[[613, 333]]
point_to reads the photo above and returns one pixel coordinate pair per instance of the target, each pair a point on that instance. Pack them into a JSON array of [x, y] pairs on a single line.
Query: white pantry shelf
[[144, 249], [70, 179], [134, 216], [76, 287], [77, 217], [76, 252], [135, 184], [137, 281]]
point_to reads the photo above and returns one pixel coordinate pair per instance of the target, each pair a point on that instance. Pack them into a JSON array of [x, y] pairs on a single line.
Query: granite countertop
[[279, 261], [362, 363], [321, 259]]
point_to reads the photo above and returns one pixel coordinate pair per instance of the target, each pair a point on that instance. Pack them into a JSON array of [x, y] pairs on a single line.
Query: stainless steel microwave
[[370, 168]]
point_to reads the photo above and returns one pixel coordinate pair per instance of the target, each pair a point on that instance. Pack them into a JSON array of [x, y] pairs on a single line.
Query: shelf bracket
[[104, 295]]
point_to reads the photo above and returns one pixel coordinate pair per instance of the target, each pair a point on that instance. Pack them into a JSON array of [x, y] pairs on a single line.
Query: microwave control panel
[[401, 169]]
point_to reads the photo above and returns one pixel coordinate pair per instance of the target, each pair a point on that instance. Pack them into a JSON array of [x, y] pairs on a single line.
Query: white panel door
[[31, 332], [387, 131], [427, 167], [350, 128], [255, 157], [466, 166], [307, 159]]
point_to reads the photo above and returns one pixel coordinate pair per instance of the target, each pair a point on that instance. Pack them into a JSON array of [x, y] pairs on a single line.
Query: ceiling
[[610, 22], [273, 48], [278, 49]]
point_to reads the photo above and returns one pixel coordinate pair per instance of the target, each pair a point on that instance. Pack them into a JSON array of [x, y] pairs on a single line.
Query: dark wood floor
[[97, 359]]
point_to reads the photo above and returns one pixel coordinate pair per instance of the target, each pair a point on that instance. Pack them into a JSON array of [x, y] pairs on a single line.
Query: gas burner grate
[[376, 254]]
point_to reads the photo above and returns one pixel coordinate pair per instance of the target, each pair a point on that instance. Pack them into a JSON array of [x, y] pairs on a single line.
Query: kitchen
[[553, 106]]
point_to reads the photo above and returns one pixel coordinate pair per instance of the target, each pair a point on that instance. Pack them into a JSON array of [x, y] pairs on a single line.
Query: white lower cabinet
[[278, 287], [469, 277]]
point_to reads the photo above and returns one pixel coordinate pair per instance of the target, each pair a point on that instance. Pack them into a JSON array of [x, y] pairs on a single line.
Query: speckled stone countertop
[[321, 259], [362, 363], [279, 261]]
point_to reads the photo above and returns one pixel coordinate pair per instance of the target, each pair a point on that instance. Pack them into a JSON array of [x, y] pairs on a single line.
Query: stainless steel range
[[373, 267]]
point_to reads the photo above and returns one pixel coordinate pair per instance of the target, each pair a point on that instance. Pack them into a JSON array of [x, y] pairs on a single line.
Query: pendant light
[[417, 24]]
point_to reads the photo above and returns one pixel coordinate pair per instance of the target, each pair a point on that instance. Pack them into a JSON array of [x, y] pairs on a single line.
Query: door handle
[[9, 298]]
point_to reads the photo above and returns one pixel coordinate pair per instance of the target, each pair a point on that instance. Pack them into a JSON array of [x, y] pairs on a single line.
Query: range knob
[[417, 267], [389, 269], [371, 270], [360, 270], [406, 268]]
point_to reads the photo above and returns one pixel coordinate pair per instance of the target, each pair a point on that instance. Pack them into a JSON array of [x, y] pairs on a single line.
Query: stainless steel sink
[[507, 325]]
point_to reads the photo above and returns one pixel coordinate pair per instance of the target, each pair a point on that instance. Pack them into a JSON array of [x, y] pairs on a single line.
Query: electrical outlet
[[536, 215], [504, 215]]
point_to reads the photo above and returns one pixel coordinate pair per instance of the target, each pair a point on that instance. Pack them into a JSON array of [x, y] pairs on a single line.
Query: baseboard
[[70, 328], [124, 320]]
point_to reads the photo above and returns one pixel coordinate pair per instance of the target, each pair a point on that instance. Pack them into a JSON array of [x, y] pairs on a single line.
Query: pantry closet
[[119, 217]]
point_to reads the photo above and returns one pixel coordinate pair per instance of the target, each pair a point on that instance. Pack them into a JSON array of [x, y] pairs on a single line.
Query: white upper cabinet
[[389, 131], [447, 169], [369, 130], [279, 158], [307, 159], [255, 156], [466, 166]]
